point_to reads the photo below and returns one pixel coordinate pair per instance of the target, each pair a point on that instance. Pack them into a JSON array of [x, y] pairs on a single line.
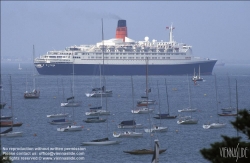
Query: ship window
[[142, 57], [52, 56]]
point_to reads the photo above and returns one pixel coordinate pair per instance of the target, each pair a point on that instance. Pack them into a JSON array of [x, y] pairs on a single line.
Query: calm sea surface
[[183, 142]]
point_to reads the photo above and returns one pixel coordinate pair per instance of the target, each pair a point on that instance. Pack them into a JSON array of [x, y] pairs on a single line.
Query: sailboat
[[144, 109], [58, 115], [3, 117], [101, 91], [70, 127], [35, 93], [71, 100], [188, 119], [62, 121], [9, 132], [157, 128], [145, 151], [197, 78], [98, 111], [215, 124], [19, 67], [103, 141], [98, 92], [129, 124], [230, 108], [167, 115], [95, 120], [188, 109], [229, 112]]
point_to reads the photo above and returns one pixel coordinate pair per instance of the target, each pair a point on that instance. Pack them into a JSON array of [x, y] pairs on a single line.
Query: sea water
[[41, 140]]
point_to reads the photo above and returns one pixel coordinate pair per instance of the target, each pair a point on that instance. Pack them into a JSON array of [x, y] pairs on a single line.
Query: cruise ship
[[124, 56]]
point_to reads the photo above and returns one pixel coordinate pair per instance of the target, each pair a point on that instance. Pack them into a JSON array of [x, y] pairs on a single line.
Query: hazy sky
[[218, 30]]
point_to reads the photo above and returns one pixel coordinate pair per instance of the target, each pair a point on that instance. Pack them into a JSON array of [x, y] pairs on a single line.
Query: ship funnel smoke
[[121, 30]]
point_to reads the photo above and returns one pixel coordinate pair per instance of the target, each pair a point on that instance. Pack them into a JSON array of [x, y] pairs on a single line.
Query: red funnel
[[121, 30]]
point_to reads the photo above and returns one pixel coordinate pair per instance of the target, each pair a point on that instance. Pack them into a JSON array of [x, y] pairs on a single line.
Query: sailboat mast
[[73, 77], [159, 100], [189, 93], [101, 76], [34, 83], [26, 81], [167, 94], [147, 98], [104, 82], [63, 95], [132, 92], [230, 102], [199, 72], [147, 79], [100, 69], [216, 95], [11, 104], [133, 98], [237, 103]]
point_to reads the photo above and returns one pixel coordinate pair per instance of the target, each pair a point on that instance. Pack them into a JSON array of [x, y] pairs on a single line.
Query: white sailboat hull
[[70, 128], [98, 112], [127, 134], [142, 111], [107, 94], [12, 134], [70, 104], [214, 125], [187, 110], [57, 115], [156, 129], [187, 122]]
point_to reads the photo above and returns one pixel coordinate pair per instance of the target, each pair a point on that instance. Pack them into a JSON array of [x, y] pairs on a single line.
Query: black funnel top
[[121, 23]]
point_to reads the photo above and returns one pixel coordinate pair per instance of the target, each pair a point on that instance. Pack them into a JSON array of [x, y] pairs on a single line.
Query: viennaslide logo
[[234, 152]]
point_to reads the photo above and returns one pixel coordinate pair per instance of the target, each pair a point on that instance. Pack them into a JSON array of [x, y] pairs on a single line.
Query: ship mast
[[171, 28]]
